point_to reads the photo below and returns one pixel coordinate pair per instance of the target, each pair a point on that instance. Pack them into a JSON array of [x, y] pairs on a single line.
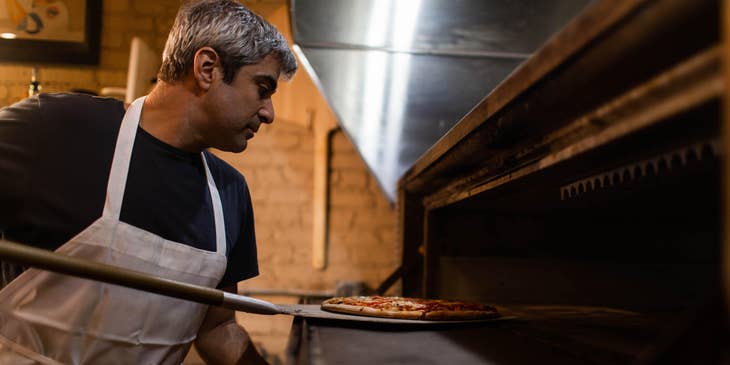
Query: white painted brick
[[163, 25], [347, 160], [148, 7], [112, 40], [341, 143], [286, 141], [15, 74], [115, 6], [342, 219], [112, 59], [116, 78], [350, 179], [351, 199]]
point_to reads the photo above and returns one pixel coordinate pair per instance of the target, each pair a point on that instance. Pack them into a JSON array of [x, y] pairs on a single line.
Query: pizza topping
[[409, 308]]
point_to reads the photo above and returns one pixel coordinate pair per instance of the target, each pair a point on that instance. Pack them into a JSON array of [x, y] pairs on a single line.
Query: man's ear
[[204, 64]]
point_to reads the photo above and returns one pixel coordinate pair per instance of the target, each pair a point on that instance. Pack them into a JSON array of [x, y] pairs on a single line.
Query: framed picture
[[50, 31]]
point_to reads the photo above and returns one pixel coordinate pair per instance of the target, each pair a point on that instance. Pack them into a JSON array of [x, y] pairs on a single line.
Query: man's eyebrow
[[268, 80]]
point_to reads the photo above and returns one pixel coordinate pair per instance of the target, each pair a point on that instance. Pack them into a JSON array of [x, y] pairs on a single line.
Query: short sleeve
[[16, 156], [240, 231]]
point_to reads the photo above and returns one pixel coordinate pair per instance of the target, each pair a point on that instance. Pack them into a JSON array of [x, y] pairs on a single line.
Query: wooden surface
[[410, 218], [683, 87], [56, 262]]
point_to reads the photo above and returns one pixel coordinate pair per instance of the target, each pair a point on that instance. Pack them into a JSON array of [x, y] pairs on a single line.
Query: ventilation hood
[[399, 74]]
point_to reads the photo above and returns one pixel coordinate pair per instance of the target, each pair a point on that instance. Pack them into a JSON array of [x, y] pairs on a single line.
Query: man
[[138, 189]]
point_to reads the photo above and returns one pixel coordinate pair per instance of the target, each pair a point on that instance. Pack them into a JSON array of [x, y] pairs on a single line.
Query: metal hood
[[400, 73]]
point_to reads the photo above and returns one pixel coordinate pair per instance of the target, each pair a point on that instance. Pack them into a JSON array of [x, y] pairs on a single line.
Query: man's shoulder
[[79, 114], [72, 101], [57, 115]]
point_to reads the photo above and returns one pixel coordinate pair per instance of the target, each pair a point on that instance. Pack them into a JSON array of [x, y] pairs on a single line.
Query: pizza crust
[[373, 312], [463, 315], [400, 310]]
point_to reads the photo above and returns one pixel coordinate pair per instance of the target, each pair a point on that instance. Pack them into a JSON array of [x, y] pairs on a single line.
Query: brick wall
[[278, 166]]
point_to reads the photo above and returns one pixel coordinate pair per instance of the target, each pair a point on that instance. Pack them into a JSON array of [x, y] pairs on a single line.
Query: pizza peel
[[315, 311], [60, 263]]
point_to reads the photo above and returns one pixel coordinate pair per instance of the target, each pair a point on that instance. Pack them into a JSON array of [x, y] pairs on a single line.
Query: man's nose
[[266, 112]]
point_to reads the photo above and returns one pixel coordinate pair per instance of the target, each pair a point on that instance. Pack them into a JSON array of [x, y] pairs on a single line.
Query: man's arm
[[222, 341]]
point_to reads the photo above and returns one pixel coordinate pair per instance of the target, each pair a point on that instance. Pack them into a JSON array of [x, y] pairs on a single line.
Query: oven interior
[[613, 254]]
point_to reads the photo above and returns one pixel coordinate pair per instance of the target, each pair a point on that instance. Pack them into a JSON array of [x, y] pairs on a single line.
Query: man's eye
[[264, 92]]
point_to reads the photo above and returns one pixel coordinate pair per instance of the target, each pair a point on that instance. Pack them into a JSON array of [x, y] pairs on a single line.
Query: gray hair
[[239, 36]]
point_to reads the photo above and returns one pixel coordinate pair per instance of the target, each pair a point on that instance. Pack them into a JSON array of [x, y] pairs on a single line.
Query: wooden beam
[[320, 197], [685, 86]]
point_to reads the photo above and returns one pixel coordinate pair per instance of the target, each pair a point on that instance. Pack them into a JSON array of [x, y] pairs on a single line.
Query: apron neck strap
[[215, 198], [122, 157], [120, 169]]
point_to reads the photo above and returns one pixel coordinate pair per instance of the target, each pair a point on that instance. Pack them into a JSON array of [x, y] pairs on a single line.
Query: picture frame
[[50, 31]]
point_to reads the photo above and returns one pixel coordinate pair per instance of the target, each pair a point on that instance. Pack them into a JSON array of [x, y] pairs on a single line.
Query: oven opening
[[610, 253]]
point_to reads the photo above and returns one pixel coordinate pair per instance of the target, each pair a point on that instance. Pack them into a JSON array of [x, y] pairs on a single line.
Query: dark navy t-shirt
[[55, 156]]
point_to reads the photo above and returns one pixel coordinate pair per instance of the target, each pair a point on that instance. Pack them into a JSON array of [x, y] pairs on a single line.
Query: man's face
[[236, 110]]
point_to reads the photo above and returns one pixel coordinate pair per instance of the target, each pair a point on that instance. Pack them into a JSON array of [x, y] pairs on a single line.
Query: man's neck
[[169, 115]]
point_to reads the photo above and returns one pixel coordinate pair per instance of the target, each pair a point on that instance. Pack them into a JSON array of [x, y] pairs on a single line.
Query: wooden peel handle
[[60, 263]]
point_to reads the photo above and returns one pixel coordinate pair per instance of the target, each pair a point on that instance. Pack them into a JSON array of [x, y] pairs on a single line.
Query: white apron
[[50, 318]]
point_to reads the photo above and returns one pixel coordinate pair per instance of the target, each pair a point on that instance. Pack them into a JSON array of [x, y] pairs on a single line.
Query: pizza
[[410, 308]]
